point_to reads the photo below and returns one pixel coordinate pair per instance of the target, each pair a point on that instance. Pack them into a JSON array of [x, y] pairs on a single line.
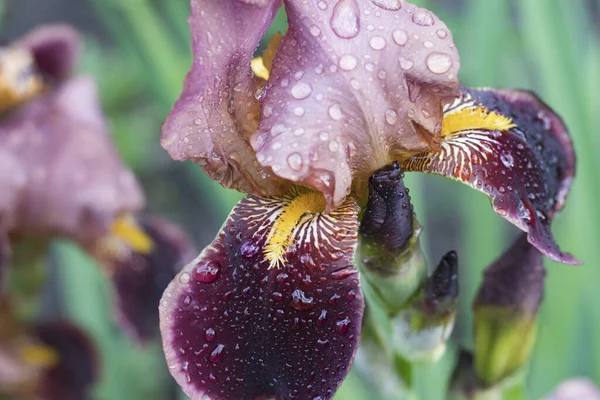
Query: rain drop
[[442, 34], [249, 249], [392, 5], [405, 63], [345, 21], [507, 159], [216, 354], [299, 111], [391, 117], [322, 5], [295, 161], [348, 62], [184, 278], [206, 271], [343, 325], [335, 112], [300, 301], [333, 146], [400, 37], [209, 334], [315, 31], [438, 63], [301, 90], [377, 43], [423, 18]]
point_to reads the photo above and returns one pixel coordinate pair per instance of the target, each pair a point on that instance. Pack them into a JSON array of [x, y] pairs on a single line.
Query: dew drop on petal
[[335, 112], [315, 31], [377, 43], [348, 62], [438, 63], [392, 5], [322, 5], [216, 354], [405, 63], [301, 90], [333, 146], [184, 278], [345, 21], [391, 117], [209, 334], [206, 271], [300, 301], [423, 18], [299, 111], [400, 37], [507, 159], [295, 161], [442, 34], [249, 249]]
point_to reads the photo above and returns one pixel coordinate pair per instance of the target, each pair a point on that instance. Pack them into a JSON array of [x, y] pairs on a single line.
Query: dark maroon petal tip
[[141, 279], [55, 49], [515, 279], [234, 329], [512, 147], [77, 369]]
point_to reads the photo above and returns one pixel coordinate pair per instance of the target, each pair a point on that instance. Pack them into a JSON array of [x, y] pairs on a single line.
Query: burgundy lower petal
[[234, 329], [76, 371], [525, 169], [141, 279]]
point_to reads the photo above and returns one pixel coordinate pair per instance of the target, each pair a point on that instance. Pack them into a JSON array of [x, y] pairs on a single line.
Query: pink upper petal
[[217, 111], [355, 85]]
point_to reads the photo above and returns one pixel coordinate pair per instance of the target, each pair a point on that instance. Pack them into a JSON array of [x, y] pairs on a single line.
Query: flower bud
[[421, 331], [389, 240], [506, 312]]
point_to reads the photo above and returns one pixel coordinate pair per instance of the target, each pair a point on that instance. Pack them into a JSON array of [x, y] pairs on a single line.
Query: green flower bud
[[506, 312], [421, 331]]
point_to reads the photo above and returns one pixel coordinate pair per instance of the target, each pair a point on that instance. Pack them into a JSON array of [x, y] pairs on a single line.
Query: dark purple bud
[[76, 370], [388, 217]]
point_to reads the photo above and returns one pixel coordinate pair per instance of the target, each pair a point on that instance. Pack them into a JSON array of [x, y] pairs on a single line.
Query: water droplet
[[405, 63], [315, 31], [277, 296], [322, 342], [206, 271], [335, 112], [392, 5], [438, 63], [348, 62], [442, 34], [377, 43], [322, 317], [299, 111], [507, 159], [333, 299], [249, 249], [391, 117], [322, 5], [502, 212], [301, 90], [217, 354], [428, 44], [423, 18], [400, 37], [333, 146], [209, 334], [323, 135], [184, 278], [343, 273], [345, 21], [295, 161], [343, 325], [300, 301]]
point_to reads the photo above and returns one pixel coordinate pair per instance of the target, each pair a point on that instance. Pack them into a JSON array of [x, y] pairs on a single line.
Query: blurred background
[[138, 50]]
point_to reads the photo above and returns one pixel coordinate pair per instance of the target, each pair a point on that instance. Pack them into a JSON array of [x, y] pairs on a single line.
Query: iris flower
[[273, 306]]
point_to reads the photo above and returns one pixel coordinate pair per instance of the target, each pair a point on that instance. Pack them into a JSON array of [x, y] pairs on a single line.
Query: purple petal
[[55, 49], [234, 329], [141, 279], [354, 86], [217, 111], [526, 169], [69, 179], [77, 369]]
